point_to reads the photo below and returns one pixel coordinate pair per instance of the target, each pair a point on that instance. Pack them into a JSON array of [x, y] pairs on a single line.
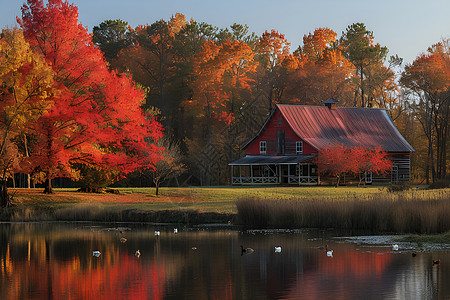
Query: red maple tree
[[96, 118], [338, 159], [363, 160]]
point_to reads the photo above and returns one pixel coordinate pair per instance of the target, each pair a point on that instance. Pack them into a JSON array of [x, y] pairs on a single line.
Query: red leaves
[[339, 159], [96, 118]]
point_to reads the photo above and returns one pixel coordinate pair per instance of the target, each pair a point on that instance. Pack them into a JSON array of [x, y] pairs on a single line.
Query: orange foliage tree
[[323, 72], [428, 77], [26, 83], [274, 62], [221, 86]]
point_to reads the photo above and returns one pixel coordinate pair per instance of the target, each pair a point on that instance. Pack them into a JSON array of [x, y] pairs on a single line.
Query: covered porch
[[265, 169]]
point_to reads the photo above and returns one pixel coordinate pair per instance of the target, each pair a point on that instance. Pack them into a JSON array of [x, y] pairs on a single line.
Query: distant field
[[206, 199]]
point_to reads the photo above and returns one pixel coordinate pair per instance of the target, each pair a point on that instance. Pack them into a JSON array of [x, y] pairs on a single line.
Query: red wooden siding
[[269, 134]]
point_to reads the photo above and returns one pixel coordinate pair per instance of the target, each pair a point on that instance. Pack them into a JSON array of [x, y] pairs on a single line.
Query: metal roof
[[321, 126], [271, 160]]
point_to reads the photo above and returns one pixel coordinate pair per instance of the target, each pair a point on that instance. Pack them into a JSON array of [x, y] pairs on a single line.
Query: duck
[[436, 262], [246, 250], [330, 253], [395, 247], [175, 230], [278, 249], [123, 240], [194, 248], [137, 253], [157, 233], [413, 254], [96, 253]]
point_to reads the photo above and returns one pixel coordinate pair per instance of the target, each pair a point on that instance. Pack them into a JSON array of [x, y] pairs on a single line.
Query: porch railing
[[303, 179], [254, 180]]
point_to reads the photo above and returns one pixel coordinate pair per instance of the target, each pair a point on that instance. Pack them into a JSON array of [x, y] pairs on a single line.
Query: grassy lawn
[[207, 199], [374, 208]]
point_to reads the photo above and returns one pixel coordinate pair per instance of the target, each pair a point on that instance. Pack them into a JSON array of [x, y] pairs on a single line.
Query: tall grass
[[403, 212]]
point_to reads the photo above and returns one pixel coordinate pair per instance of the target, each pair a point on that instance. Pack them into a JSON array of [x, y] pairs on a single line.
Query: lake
[[56, 261]]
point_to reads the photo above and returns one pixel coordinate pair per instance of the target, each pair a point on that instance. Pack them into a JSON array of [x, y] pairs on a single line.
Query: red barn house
[[283, 151]]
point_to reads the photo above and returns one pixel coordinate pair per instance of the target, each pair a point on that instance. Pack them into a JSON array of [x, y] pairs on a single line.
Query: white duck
[[278, 249]]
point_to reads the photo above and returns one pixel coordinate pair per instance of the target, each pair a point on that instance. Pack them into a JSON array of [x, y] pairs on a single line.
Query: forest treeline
[[215, 87], [108, 105]]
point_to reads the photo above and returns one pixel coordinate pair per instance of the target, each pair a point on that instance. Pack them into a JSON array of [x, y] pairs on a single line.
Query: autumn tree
[[334, 160], [428, 78], [171, 164], [222, 84], [322, 72], [274, 56], [96, 119], [338, 160], [363, 161], [26, 84]]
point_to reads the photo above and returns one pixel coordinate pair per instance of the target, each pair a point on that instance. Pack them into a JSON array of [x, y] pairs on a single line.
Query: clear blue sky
[[406, 27]]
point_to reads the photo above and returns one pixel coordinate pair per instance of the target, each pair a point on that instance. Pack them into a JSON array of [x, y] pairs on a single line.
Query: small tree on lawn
[[170, 166], [334, 160]]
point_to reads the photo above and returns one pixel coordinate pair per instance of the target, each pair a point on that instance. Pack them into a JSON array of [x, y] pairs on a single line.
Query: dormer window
[[262, 147], [298, 147]]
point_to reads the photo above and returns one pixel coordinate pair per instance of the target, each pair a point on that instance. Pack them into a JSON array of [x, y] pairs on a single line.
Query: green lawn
[[208, 199], [172, 203]]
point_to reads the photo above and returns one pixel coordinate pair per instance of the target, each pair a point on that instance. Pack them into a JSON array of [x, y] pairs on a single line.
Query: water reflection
[[54, 261]]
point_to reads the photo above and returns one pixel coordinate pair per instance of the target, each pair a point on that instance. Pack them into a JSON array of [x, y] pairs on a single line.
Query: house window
[[299, 147], [262, 147]]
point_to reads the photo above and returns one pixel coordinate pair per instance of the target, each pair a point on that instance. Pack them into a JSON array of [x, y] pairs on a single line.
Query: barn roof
[[320, 127]]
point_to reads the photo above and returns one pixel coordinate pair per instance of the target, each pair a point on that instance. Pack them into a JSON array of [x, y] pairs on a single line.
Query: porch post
[[251, 172], [231, 174], [280, 174], [299, 173], [289, 173], [240, 175], [309, 173]]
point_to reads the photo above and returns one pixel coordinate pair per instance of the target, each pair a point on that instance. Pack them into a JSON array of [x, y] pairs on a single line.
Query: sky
[[406, 27]]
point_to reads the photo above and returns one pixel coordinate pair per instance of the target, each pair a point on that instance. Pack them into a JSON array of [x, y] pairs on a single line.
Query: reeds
[[403, 212], [98, 213]]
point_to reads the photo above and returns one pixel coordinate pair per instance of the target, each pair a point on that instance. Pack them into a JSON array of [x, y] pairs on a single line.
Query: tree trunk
[[48, 186], [25, 143], [157, 189], [4, 197]]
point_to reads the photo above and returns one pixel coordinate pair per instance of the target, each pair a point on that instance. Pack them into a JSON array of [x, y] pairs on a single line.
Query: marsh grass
[[411, 212], [442, 238], [102, 213]]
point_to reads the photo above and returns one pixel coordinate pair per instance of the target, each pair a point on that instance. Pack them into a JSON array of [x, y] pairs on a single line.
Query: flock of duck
[[248, 250], [123, 239]]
